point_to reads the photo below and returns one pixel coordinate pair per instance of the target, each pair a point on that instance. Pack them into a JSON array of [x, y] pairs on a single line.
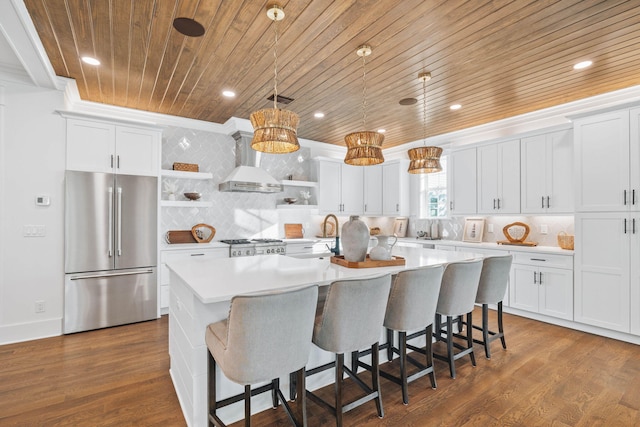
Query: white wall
[[32, 162]]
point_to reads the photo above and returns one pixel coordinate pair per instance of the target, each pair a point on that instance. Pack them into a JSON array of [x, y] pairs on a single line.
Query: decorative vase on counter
[[355, 239], [382, 251]]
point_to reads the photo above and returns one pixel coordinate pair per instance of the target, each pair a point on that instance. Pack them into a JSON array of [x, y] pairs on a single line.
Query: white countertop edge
[[489, 245]]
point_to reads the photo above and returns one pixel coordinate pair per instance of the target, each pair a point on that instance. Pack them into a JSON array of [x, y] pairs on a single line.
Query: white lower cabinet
[[182, 254], [542, 283]]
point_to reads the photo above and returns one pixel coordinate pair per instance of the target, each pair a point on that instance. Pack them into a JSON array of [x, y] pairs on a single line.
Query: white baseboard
[[20, 332]]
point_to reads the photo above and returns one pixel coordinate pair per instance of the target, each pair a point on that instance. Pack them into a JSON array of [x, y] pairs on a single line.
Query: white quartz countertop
[[489, 245], [216, 280]]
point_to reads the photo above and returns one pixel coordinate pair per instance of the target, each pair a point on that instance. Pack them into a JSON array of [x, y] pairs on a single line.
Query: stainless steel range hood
[[248, 176]]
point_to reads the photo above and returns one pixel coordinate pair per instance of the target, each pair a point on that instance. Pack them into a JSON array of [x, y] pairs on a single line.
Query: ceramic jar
[[355, 239], [382, 251]]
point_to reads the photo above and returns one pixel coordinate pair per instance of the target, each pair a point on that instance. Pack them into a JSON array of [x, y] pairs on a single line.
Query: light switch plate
[[544, 229]]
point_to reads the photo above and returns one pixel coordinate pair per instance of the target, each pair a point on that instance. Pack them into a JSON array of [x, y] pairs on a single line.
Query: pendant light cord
[[364, 94], [424, 111], [275, 62]]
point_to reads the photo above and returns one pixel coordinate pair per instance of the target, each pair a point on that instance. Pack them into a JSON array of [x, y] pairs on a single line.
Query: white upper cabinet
[[603, 163], [499, 178], [95, 146], [341, 187], [373, 190], [462, 182], [547, 173], [395, 189]]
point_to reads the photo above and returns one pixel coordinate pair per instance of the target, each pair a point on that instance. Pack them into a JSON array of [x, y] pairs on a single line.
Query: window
[[433, 193]]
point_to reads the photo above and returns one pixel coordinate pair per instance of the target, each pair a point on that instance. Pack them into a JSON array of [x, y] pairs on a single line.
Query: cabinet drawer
[[166, 256], [544, 260]]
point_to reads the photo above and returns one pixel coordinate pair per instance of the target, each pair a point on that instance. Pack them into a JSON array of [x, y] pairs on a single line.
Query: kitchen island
[[201, 291]]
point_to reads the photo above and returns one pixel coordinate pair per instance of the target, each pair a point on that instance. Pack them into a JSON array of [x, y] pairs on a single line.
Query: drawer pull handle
[[197, 254], [538, 259]]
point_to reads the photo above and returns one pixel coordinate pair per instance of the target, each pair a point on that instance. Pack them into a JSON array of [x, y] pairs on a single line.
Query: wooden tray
[[506, 242], [368, 262], [180, 236], [293, 231]]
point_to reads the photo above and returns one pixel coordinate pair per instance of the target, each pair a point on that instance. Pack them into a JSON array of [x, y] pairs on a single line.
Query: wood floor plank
[[120, 377]]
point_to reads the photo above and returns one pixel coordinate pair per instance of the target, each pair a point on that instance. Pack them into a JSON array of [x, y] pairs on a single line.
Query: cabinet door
[[601, 145], [602, 285], [373, 190], [137, 151], [329, 186], [560, 172], [524, 288], [352, 189], [488, 179], [634, 158], [509, 177], [534, 160], [634, 282], [90, 146], [395, 189], [556, 292], [462, 182]]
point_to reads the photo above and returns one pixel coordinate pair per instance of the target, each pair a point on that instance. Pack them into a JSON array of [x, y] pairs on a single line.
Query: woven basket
[[186, 167], [565, 241]]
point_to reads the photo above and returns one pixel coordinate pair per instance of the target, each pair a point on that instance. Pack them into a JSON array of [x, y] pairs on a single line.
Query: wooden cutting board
[[180, 236], [293, 231]]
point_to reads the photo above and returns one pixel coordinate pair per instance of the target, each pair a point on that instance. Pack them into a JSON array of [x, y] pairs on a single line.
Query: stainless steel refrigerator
[[110, 250]]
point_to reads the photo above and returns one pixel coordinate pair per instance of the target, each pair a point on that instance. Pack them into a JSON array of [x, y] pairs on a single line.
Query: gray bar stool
[[493, 285], [351, 319], [457, 297], [411, 307], [266, 336]]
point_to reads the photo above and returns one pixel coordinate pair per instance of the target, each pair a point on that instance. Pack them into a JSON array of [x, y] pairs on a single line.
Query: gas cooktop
[[246, 247]]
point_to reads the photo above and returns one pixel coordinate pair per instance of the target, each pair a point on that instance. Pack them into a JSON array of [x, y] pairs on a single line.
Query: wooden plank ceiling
[[496, 58]]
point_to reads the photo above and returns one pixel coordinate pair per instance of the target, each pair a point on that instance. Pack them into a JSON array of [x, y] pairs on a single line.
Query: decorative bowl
[[290, 200], [192, 196]]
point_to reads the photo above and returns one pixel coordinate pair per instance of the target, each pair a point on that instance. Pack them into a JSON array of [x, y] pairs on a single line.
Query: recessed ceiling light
[[318, 115], [90, 60], [382, 130], [228, 93], [581, 65], [456, 107]]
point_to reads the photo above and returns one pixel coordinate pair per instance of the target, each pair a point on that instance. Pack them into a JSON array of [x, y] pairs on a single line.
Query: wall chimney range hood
[[248, 176]]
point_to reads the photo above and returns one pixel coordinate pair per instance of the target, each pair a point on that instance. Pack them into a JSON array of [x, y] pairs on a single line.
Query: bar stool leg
[[302, 403], [470, 337], [375, 377], [389, 345], [402, 336], [452, 366], [429, 355], [247, 406], [338, 388], [500, 330], [485, 331], [275, 386], [211, 388]]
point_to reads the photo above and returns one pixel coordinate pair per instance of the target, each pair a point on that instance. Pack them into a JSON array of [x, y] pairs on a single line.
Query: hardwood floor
[[119, 377]]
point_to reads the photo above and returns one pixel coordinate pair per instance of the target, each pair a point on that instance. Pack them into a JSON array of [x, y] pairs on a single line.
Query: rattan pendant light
[[274, 129], [424, 159], [364, 148]]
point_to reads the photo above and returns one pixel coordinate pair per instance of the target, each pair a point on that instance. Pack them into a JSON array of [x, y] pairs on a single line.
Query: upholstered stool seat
[[266, 336], [457, 297], [351, 319]]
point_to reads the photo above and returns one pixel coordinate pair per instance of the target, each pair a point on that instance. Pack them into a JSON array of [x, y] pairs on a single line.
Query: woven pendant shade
[[425, 160], [274, 131], [364, 148]]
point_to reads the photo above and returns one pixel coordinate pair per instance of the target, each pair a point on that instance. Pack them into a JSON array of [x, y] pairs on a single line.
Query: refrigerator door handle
[[98, 276], [119, 221], [110, 238]]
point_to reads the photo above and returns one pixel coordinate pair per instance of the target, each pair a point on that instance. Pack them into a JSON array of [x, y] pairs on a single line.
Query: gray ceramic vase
[[355, 239]]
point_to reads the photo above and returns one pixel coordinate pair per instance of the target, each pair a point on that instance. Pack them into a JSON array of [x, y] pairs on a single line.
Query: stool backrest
[[413, 299], [269, 334], [459, 287], [352, 315], [494, 279]]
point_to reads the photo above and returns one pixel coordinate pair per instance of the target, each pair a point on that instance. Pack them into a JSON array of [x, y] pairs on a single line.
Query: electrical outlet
[[34, 230], [544, 229], [40, 306], [489, 228]]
